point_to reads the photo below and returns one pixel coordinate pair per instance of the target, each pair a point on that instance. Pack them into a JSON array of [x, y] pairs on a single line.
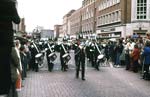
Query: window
[[141, 9], [102, 20], [110, 18], [113, 17], [119, 15], [118, 1]]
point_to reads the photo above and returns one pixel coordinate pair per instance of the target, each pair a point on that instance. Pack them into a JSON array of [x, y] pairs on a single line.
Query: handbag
[[19, 81]]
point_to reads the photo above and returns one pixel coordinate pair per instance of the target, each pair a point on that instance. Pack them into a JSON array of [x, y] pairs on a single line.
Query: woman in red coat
[[135, 57]]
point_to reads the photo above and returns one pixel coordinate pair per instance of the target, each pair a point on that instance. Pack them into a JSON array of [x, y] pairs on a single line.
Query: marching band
[[95, 52]]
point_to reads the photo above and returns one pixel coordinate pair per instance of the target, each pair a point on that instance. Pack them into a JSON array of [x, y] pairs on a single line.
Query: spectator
[[14, 75], [135, 55], [24, 62], [8, 14], [146, 55]]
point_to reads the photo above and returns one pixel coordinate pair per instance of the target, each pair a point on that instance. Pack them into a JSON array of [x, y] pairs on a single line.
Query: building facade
[[22, 26], [57, 30], [66, 24], [47, 34], [20, 29], [88, 23], [110, 18], [61, 31], [75, 23], [140, 17]]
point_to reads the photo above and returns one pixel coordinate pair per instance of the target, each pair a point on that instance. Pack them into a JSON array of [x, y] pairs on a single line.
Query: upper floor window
[[141, 9]]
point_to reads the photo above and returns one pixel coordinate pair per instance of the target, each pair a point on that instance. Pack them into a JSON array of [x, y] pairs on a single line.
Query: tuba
[[66, 57], [52, 55]]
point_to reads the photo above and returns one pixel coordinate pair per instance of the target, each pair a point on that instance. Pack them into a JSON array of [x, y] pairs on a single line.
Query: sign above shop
[[108, 30]]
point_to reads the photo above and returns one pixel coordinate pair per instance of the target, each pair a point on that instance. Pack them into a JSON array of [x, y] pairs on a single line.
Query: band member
[[34, 51], [48, 52], [81, 62], [76, 52], [63, 50], [94, 52], [87, 50], [97, 52], [91, 52]]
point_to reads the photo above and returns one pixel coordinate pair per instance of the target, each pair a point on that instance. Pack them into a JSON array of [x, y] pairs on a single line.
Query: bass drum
[[66, 57]]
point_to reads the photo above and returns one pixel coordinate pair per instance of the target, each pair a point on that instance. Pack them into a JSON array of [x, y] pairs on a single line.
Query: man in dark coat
[[14, 74], [76, 53], [63, 51], [81, 62], [8, 14], [48, 52]]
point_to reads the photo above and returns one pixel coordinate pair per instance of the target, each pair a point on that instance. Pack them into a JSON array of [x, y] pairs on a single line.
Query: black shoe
[[97, 68], [83, 79], [77, 77]]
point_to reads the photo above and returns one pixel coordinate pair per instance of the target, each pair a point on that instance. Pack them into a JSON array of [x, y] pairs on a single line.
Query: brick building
[[57, 30], [88, 22], [75, 23], [66, 23], [110, 18]]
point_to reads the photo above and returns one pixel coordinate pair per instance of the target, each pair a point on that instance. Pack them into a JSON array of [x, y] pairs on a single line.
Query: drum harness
[[49, 48], [64, 48]]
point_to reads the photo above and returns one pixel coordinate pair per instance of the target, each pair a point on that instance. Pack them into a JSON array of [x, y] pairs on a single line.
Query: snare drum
[[66, 57], [52, 56], [101, 56]]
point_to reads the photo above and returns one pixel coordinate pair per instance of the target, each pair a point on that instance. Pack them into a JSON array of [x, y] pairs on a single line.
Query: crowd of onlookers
[[20, 60], [131, 52]]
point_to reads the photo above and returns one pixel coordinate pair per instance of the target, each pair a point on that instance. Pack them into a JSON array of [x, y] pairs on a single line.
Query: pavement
[[108, 82]]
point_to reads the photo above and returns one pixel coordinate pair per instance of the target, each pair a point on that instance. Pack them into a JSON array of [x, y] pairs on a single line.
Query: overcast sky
[[45, 13]]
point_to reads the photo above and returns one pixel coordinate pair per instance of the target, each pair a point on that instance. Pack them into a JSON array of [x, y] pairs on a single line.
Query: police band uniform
[[63, 48], [80, 61]]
